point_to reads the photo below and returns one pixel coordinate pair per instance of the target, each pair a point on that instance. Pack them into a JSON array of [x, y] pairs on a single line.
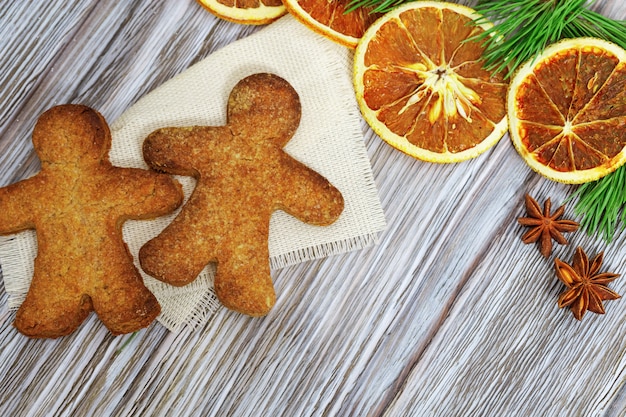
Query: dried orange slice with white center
[[329, 18], [421, 85], [249, 12], [567, 110]]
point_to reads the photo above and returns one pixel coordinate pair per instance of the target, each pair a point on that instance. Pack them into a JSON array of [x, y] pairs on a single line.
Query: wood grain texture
[[450, 315]]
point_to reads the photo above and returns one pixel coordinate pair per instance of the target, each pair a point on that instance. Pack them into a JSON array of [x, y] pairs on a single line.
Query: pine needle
[[590, 23], [126, 343], [377, 6]]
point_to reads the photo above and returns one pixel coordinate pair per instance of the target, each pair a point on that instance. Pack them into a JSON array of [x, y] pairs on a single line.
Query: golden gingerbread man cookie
[[243, 175], [77, 205]]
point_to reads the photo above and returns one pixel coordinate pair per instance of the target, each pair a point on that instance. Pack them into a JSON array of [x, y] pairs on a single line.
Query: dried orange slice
[[567, 110], [421, 85], [329, 18], [249, 12]]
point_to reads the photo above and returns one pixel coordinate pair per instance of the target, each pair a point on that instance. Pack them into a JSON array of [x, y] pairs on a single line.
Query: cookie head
[[264, 107], [70, 134]]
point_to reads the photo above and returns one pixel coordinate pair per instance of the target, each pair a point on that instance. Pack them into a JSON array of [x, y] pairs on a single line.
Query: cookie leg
[[243, 282], [176, 256], [49, 315], [123, 303]]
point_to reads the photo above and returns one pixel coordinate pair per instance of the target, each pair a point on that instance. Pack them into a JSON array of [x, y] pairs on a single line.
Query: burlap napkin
[[329, 140]]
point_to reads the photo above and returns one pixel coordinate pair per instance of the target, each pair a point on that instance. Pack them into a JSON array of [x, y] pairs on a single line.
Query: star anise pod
[[545, 226], [586, 289]]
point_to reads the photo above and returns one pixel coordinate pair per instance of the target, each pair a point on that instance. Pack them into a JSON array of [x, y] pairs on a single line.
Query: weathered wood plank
[[449, 315], [31, 39], [507, 349]]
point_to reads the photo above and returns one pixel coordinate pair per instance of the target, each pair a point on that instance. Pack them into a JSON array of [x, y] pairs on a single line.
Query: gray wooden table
[[449, 315]]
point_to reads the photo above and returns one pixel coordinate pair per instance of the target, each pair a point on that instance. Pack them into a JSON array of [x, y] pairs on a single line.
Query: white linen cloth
[[329, 140]]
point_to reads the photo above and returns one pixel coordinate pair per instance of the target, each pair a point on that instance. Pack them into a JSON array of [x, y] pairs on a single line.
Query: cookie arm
[[142, 194], [175, 149], [16, 207], [307, 195]]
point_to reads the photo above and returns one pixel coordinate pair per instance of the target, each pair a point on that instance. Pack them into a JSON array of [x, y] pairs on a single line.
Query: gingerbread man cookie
[[243, 175], [77, 204]]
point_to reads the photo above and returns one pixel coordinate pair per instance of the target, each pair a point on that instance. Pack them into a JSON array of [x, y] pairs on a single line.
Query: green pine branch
[[523, 29], [600, 203]]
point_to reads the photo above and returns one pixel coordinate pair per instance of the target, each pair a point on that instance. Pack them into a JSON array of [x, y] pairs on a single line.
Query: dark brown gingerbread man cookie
[[77, 204], [243, 175]]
